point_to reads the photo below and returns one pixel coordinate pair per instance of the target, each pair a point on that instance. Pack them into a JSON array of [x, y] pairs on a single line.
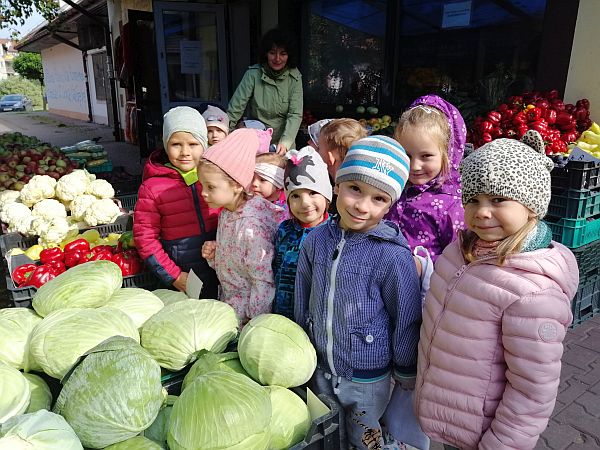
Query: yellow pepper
[[33, 252], [90, 235]]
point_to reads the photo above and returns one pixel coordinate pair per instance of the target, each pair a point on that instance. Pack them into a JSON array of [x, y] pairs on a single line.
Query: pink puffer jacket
[[491, 345]]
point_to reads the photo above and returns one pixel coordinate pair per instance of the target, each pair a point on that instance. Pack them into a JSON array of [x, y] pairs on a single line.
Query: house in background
[[7, 55]]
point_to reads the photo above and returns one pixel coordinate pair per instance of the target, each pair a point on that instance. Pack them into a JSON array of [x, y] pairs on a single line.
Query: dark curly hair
[[278, 38]]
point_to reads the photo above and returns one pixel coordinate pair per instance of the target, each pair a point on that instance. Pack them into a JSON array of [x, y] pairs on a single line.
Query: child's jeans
[[363, 405]]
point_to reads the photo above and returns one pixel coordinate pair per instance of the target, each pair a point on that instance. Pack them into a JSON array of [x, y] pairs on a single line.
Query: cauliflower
[[37, 189], [49, 208], [72, 185], [101, 212], [21, 225], [9, 196], [37, 225], [101, 189], [56, 229], [80, 205], [14, 212]]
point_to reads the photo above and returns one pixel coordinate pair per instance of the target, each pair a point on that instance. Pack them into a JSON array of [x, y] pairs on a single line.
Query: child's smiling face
[[184, 151], [425, 155]]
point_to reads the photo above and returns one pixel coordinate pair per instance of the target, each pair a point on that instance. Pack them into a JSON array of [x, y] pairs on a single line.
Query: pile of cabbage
[[83, 369]]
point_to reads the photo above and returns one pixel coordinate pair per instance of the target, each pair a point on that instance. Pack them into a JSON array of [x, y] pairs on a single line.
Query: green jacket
[[276, 103]]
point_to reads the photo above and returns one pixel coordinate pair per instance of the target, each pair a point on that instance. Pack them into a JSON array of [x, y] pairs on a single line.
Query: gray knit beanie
[[509, 168], [379, 161], [306, 170], [184, 118]]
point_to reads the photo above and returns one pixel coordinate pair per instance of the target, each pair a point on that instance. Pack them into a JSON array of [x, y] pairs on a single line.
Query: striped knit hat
[[379, 161]]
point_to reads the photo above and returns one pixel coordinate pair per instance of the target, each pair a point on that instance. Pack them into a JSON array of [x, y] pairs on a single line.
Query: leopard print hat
[[518, 170]]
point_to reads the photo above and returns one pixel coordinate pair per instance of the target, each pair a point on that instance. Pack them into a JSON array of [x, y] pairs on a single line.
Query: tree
[[18, 85], [29, 65], [14, 12]]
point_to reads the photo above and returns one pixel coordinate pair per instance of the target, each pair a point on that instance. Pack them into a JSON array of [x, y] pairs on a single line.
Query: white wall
[[65, 81], [583, 79]]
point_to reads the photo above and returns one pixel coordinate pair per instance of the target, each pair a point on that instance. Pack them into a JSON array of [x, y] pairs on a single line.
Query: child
[[308, 194], [268, 177], [217, 124], [498, 308], [172, 221], [314, 131], [429, 211], [335, 138], [247, 225], [357, 290]]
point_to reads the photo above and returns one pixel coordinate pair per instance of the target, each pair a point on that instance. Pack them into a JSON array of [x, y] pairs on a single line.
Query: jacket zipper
[[330, 295], [458, 276], [198, 208]]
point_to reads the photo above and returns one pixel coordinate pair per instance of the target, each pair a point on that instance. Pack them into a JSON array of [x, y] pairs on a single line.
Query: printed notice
[[191, 56], [456, 15]]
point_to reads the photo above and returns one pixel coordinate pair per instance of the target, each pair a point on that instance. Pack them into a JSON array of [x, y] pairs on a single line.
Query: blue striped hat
[[379, 161]]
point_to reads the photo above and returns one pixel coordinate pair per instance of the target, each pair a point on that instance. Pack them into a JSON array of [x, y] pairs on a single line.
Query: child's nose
[[483, 211]]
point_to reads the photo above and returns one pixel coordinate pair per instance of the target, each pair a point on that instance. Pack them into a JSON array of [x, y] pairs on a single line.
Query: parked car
[[15, 102]]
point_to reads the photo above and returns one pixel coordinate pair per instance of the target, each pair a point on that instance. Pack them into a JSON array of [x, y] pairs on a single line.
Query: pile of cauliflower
[[42, 207]]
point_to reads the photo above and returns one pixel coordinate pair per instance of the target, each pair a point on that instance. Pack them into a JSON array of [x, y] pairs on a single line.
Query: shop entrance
[[191, 51]]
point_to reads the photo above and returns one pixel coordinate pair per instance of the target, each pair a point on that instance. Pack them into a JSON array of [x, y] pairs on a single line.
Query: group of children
[[342, 235]]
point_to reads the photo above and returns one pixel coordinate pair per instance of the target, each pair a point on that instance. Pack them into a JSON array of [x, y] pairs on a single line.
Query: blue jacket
[[290, 236], [357, 296]]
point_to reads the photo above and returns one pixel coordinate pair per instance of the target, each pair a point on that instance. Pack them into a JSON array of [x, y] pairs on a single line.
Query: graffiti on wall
[[66, 88]]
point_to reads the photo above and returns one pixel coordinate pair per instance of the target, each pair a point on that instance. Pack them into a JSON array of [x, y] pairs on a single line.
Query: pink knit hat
[[235, 155]]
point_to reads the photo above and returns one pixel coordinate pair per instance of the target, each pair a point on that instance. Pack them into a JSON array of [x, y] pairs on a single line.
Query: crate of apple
[[17, 166]]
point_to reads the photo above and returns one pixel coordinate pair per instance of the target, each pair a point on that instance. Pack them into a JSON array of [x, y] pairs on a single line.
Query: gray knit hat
[[184, 118], [512, 169], [379, 161], [306, 170]]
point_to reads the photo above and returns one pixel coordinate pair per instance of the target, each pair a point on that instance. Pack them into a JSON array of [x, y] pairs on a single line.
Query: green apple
[[360, 109], [339, 108]]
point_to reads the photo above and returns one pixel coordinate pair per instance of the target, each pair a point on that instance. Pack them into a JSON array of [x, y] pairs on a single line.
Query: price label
[[581, 155]]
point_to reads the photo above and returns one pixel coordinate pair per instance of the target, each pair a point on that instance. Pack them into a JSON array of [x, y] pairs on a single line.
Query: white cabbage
[[41, 397], [290, 420], [15, 393], [138, 304], [15, 326]]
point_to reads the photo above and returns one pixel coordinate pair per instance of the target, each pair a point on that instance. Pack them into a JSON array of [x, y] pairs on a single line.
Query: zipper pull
[[336, 252]]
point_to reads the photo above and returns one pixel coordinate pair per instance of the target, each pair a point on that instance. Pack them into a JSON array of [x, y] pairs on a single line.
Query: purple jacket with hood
[[431, 214]]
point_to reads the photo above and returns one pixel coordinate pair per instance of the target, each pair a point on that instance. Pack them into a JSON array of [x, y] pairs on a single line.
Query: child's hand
[[208, 250], [181, 281], [419, 265]]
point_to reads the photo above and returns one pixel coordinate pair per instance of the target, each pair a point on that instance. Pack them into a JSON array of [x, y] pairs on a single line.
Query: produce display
[[22, 157], [88, 154], [559, 124], [16, 325], [15, 392]]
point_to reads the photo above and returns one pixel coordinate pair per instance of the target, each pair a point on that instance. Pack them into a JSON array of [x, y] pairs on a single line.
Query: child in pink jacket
[[498, 308], [243, 252]]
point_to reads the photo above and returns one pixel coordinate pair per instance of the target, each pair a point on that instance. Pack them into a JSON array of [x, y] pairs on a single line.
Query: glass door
[[190, 41]]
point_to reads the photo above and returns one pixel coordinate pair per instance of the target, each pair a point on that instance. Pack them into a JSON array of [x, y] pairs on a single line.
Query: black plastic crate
[[574, 204], [144, 280], [588, 261], [577, 175], [128, 201], [323, 434], [586, 303]]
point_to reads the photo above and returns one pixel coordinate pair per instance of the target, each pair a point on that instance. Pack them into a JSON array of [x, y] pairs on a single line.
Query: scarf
[[273, 74], [190, 177]]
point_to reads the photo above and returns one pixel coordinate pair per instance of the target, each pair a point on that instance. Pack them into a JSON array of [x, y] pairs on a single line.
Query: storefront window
[[343, 52], [481, 50]]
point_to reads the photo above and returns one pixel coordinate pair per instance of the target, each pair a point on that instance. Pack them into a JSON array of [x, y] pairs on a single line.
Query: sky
[[30, 23]]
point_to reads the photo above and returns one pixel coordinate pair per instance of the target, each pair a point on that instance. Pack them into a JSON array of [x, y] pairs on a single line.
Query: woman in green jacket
[[272, 90]]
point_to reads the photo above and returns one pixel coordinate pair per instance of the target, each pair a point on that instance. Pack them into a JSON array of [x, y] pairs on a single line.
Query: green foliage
[[14, 12], [29, 65], [18, 85]]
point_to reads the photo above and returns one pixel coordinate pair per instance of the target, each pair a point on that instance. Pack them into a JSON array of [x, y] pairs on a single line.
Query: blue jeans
[[362, 404]]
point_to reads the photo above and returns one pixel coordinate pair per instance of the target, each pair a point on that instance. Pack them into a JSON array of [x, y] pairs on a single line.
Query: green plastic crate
[[106, 167], [586, 303], [574, 232], [588, 261], [574, 204]]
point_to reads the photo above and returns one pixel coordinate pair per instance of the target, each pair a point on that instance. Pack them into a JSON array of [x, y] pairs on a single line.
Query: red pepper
[[58, 267], [550, 116], [540, 126], [583, 103], [581, 114], [130, 262], [502, 107], [571, 136], [563, 119], [519, 119], [74, 257], [51, 254], [570, 108], [106, 255], [511, 133], [521, 130], [516, 101], [494, 117], [486, 126], [533, 114], [77, 244], [543, 104], [558, 105], [552, 95], [508, 114], [486, 137], [41, 275], [21, 273], [101, 248]]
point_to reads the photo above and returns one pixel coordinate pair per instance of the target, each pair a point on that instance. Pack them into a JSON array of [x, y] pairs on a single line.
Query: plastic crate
[[574, 232], [128, 201], [324, 431], [144, 280], [577, 175], [586, 303], [588, 261], [106, 167], [573, 204], [9, 241]]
